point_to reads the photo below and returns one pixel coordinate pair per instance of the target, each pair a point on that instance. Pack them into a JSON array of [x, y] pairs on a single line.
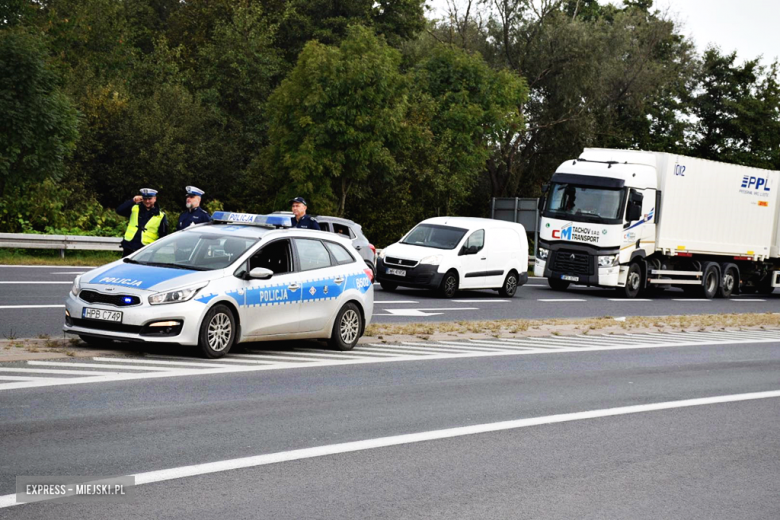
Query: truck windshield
[[583, 203], [440, 237]]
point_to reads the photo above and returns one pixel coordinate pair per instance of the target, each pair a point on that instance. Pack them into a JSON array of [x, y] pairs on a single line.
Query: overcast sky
[[749, 27]]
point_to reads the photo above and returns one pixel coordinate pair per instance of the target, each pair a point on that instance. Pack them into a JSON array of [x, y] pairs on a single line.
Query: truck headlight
[[76, 287], [431, 260], [542, 253], [608, 261], [177, 296]]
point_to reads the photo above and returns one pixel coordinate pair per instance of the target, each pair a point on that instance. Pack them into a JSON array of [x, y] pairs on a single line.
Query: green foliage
[[39, 122]]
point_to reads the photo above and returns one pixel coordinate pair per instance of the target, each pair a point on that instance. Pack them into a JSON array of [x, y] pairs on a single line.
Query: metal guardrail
[[61, 242]]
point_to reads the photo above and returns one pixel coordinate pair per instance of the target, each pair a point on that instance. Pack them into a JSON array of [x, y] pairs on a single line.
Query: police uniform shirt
[[192, 217], [306, 222]]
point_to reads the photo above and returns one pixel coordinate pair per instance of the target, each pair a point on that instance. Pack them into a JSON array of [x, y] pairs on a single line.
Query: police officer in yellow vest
[[147, 221]]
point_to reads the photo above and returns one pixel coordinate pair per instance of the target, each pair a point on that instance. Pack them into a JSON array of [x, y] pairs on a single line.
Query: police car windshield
[[196, 251], [584, 203], [439, 237]]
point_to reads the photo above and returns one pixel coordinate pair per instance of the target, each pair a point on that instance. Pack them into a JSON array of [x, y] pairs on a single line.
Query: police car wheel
[[217, 332], [347, 328]]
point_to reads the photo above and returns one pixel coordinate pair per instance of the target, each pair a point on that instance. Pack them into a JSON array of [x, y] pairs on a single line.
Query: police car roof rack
[[248, 219]]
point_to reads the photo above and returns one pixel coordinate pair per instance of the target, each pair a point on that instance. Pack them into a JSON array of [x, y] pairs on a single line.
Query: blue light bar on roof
[[249, 219]]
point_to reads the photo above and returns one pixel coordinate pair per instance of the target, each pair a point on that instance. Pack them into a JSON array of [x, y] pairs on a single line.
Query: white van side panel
[[507, 249]]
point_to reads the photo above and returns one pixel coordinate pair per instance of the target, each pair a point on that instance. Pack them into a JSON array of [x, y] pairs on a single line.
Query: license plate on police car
[[396, 272], [100, 314], [570, 278]]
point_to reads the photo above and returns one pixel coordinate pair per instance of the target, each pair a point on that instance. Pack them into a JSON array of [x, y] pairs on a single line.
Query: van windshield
[[584, 203], [439, 237]]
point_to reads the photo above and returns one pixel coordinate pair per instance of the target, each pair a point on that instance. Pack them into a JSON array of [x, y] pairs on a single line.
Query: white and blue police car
[[240, 278]]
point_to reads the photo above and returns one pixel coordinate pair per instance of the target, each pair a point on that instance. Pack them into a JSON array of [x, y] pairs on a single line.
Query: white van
[[451, 253]]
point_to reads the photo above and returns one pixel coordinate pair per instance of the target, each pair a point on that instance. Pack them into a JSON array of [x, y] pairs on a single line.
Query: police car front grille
[[118, 300], [105, 325], [571, 262], [401, 262]]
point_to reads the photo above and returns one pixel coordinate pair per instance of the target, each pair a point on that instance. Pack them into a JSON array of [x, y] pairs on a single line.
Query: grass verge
[[52, 257]]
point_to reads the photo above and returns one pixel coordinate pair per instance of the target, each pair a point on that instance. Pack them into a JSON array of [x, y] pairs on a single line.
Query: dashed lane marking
[[32, 306], [106, 369], [561, 300]]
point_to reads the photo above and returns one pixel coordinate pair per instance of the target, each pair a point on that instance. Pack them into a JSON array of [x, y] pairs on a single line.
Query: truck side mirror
[[633, 212], [540, 204], [545, 187], [637, 197]]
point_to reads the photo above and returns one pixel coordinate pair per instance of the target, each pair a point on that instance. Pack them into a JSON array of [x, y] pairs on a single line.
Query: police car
[[240, 278]]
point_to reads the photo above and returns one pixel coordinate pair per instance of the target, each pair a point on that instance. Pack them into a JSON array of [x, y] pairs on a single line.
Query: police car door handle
[[339, 281], [293, 287]]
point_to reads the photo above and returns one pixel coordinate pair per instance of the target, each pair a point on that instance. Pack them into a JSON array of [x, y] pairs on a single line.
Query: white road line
[[746, 300], [70, 272], [204, 363], [54, 371], [36, 282], [321, 355], [479, 301], [260, 357], [629, 300], [24, 378], [397, 351], [396, 301], [94, 365], [180, 472], [449, 309], [561, 300], [32, 306], [535, 285], [161, 362], [51, 266], [452, 346], [690, 300], [358, 351]]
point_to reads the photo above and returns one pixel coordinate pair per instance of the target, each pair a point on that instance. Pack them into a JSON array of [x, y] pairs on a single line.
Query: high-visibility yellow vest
[[150, 232]]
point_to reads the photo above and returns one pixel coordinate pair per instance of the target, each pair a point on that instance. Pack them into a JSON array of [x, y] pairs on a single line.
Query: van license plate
[[396, 272], [570, 278], [99, 314]]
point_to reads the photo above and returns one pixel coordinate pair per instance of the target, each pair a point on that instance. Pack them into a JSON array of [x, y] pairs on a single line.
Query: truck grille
[[571, 262]]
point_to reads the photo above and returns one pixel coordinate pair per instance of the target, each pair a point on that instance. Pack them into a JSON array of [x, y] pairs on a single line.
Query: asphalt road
[[32, 303], [709, 461]]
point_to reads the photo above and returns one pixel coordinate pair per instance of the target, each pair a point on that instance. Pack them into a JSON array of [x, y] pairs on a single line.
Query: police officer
[[147, 221], [194, 214], [300, 219]]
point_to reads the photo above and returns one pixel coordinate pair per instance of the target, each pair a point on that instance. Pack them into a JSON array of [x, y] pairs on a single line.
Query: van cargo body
[[634, 220]]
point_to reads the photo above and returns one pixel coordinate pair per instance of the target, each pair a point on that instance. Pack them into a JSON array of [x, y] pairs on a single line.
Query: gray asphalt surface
[[401, 306], [714, 461]]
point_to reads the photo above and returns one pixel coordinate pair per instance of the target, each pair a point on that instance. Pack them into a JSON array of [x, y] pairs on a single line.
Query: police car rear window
[[311, 254], [341, 255]]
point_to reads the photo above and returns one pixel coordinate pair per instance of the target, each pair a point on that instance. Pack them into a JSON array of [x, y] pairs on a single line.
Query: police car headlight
[[608, 261], [542, 253], [431, 260], [177, 296], [76, 287]]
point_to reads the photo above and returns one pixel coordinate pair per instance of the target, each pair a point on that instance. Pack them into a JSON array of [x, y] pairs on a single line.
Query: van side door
[[473, 261]]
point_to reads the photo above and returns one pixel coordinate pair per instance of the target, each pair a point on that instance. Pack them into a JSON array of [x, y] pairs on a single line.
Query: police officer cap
[[148, 193], [299, 199], [192, 191]]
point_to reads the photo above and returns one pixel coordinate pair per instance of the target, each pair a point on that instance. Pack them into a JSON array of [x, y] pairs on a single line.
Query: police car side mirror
[[260, 273]]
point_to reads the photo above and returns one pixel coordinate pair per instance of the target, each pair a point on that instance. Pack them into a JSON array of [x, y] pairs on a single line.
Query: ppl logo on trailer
[[754, 182], [563, 233]]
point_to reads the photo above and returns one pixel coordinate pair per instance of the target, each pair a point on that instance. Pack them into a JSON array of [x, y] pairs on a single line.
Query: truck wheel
[[217, 332], [510, 285], [347, 328], [728, 283], [556, 284], [449, 285], [710, 280], [633, 282]]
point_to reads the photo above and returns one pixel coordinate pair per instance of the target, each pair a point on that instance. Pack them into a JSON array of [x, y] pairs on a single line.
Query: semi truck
[[635, 221]]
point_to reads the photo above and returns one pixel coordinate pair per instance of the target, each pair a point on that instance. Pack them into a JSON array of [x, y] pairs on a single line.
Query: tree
[[39, 123], [335, 118]]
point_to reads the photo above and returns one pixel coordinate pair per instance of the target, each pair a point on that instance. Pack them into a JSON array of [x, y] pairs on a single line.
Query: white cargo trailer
[[634, 220]]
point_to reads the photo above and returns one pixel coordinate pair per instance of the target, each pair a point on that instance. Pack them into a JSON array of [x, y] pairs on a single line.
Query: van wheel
[[710, 280], [728, 283], [347, 328], [217, 332], [633, 282], [449, 285], [556, 284], [389, 287], [510, 285]]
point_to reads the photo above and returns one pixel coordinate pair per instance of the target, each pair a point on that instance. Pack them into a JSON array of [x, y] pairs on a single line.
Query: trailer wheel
[[633, 282], [728, 283], [710, 280]]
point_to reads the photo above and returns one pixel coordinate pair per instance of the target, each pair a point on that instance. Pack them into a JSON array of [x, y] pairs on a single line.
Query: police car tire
[[347, 328], [218, 314]]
